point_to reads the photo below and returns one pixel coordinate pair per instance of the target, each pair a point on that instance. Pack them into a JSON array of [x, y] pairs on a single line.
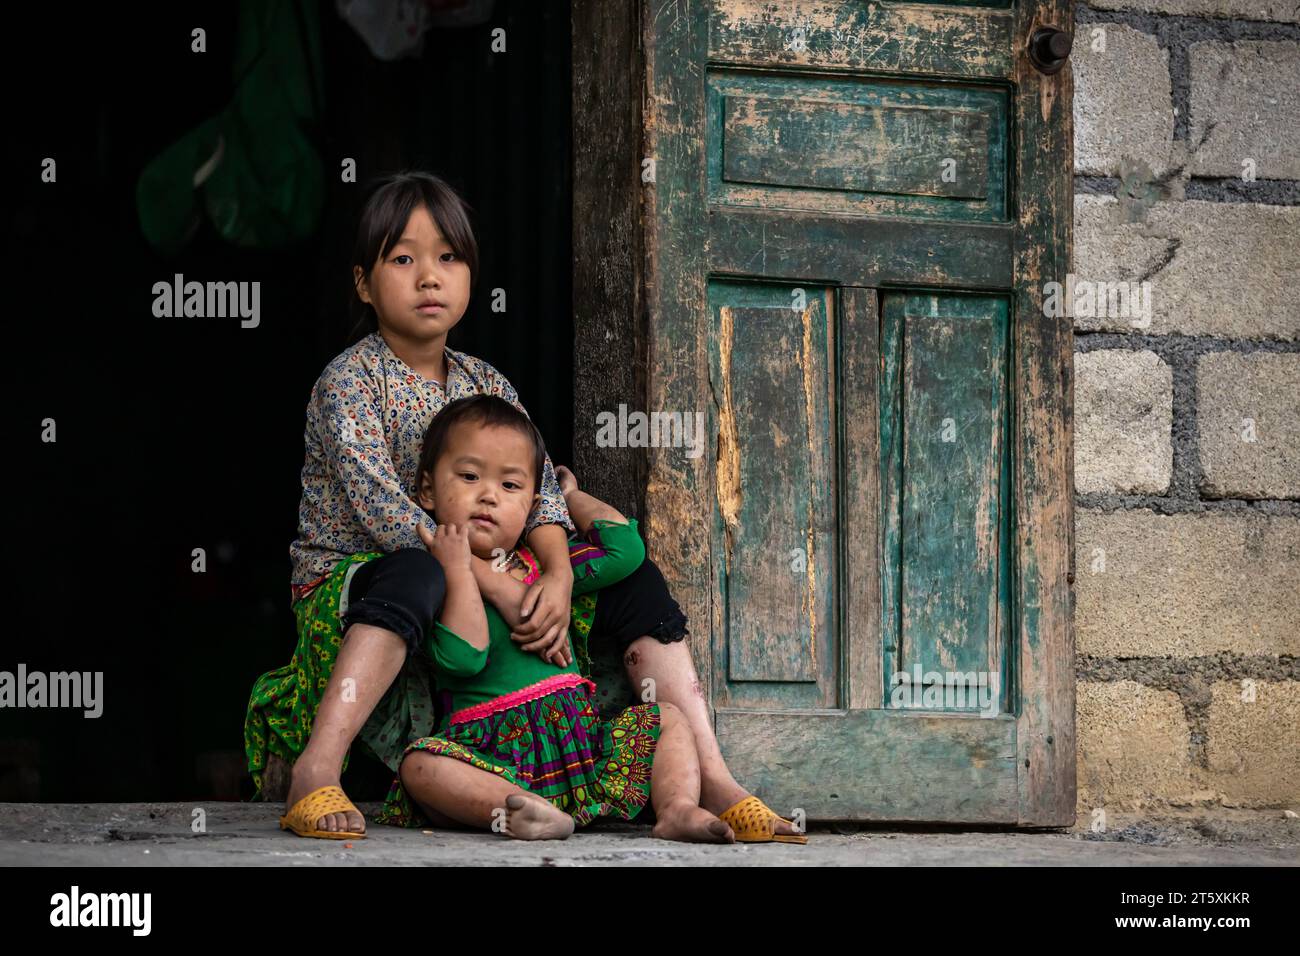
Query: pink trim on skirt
[[522, 696]]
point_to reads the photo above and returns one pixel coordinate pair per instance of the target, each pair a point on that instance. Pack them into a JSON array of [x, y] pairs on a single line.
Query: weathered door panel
[[927, 39], [876, 764], [945, 502], [864, 145], [854, 209], [770, 368]]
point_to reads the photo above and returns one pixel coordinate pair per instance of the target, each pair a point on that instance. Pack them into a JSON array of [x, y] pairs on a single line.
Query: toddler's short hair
[[483, 410]]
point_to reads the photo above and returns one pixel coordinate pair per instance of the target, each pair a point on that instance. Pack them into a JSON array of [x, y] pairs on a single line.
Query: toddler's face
[[419, 269], [483, 480]]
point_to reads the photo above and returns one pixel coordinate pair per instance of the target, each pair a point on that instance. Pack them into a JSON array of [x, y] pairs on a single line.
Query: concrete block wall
[[1187, 416]]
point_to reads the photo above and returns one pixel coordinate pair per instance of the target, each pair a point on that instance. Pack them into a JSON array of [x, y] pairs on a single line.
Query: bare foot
[[688, 823], [719, 800], [303, 780], [529, 817]]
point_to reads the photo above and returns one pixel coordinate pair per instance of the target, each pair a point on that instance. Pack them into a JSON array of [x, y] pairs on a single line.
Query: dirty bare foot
[[688, 823], [529, 817], [303, 779]]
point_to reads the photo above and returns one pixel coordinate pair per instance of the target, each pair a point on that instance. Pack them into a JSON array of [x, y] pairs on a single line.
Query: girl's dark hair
[[390, 200], [482, 410]]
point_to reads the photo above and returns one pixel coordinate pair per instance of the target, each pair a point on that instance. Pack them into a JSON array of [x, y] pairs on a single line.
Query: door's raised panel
[[894, 37], [771, 378], [866, 146], [944, 415], [853, 148]]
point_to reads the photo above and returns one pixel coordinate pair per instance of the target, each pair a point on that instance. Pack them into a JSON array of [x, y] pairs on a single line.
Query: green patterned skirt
[[284, 701], [556, 746]]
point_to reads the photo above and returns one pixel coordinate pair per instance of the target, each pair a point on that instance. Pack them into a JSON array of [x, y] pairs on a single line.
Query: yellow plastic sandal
[[753, 821], [303, 815]]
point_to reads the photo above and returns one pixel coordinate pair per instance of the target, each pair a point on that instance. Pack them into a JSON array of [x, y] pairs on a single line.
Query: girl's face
[[483, 480], [419, 287]]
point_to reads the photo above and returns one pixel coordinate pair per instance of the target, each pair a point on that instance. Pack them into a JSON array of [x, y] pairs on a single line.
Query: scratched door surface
[[854, 208]]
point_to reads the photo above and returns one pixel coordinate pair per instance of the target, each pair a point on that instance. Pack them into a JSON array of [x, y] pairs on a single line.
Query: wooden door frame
[[640, 342]]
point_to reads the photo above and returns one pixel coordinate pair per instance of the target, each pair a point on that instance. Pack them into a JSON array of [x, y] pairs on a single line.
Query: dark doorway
[[176, 434]]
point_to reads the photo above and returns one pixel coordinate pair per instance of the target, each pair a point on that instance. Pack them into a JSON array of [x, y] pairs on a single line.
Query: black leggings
[[639, 605], [403, 592], [400, 592]]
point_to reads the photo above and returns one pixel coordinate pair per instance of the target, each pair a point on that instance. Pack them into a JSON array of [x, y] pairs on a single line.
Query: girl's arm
[[503, 592], [585, 509], [610, 552], [546, 605]]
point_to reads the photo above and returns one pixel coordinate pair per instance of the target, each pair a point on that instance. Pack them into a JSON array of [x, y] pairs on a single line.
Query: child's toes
[[532, 818]]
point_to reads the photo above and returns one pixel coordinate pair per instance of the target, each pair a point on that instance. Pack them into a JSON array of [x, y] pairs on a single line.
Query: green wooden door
[[854, 209]]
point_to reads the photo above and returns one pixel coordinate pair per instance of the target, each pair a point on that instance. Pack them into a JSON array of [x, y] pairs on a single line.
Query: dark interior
[[175, 434]]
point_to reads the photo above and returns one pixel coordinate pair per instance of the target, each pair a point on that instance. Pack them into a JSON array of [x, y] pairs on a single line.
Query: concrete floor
[[246, 834]]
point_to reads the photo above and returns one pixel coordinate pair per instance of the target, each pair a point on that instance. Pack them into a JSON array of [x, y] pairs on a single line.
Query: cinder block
[[1215, 268], [1248, 424], [1122, 102], [1123, 411], [1132, 745], [1246, 91], [1253, 742], [1186, 585]]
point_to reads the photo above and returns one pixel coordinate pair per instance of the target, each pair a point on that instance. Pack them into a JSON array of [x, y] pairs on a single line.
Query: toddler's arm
[[459, 641], [462, 607]]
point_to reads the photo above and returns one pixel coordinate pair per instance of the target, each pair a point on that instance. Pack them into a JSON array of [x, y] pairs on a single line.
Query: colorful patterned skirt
[[556, 746], [283, 703]]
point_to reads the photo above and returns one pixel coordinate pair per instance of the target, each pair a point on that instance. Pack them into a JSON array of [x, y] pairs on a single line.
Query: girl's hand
[[449, 544], [568, 482], [545, 609]]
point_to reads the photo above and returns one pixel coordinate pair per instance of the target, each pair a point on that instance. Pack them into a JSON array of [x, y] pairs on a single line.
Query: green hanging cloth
[[251, 168]]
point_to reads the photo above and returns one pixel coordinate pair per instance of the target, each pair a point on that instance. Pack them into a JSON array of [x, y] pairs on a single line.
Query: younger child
[[521, 748]]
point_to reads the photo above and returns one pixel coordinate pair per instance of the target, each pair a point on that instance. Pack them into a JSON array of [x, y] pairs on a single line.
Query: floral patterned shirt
[[366, 421]]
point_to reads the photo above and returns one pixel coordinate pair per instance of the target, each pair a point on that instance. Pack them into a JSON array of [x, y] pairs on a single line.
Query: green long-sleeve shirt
[[607, 553]]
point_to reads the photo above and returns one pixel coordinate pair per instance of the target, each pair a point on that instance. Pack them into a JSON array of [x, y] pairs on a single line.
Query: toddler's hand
[[568, 483], [449, 544]]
